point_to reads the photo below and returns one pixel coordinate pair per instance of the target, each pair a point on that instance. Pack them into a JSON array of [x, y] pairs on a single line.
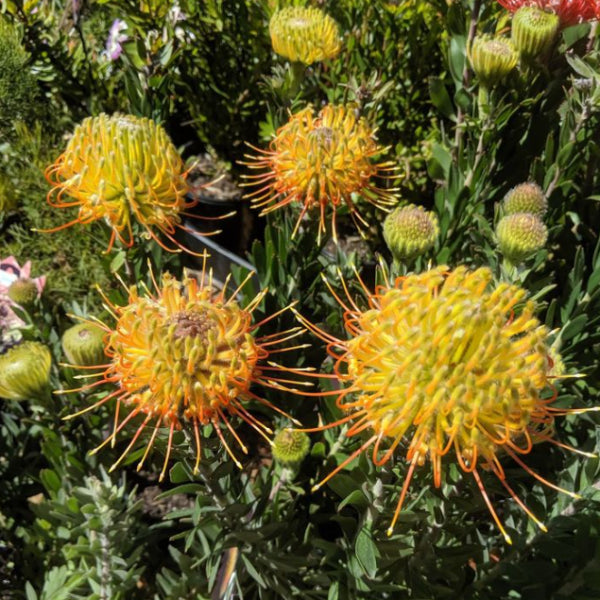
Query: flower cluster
[[122, 169], [304, 35], [443, 363], [185, 356], [321, 162]]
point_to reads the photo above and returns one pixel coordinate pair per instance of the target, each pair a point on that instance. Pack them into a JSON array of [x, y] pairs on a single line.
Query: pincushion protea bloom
[[122, 169], [442, 364], [320, 162], [305, 35], [569, 12], [186, 356]]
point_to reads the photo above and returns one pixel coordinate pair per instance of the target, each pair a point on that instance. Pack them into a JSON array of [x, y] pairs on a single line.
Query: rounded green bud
[[492, 59], [534, 30], [410, 231], [23, 292], [520, 235], [83, 345], [24, 371], [526, 198], [290, 446]]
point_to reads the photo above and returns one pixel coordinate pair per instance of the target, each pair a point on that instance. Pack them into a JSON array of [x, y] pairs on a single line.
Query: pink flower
[[10, 271], [570, 12], [115, 39]]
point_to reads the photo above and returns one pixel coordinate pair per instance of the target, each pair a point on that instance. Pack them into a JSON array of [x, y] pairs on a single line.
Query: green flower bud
[[23, 292], [290, 446], [526, 198], [24, 371], [410, 231], [534, 30], [520, 235], [83, 345], [492, 59]]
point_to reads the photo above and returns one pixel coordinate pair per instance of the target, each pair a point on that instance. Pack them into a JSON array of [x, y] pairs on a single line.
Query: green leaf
[[366, 552], [30, 592], [574, 327], [440, 97], [50, 480]]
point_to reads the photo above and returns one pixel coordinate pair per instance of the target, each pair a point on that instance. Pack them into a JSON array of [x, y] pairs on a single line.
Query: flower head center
[[192, 324], [323, 137]]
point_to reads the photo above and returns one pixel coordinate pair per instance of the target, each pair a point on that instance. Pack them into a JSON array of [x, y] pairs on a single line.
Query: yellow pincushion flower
[[122, 169], [186, 357], [321, 162], [442, 363], [305, 35]]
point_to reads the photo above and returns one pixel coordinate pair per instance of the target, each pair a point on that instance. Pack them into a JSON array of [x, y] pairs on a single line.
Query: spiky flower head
[[534, 31], [321, 162], [305, 35], [410, 231], [186, 357], [526, 198], [23, 292], [569, 12], [290, 446], [83, 345], [24, 371], [444, 363], [122, 169], [492, 59], [520, 235]]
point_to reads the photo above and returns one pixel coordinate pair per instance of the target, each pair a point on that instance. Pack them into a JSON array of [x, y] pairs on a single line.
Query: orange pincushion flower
[[442, 361], [186, 356], [320, 162], [122, 169]]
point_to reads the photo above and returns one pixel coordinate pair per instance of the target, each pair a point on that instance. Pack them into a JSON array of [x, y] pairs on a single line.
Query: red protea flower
[[570, 12], [443, 367], [184, 357]]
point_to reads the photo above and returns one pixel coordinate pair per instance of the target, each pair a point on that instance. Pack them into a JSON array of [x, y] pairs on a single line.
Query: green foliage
[[73, 263], [96, 543], [18, 88], [71, 528]]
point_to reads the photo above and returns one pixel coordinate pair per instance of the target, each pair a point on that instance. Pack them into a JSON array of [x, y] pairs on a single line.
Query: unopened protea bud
[[290, 446], [492, 59], [83, 345], [410, 231], [534, 30], [24, 371], [305, 35], [526, 198], [520, 235], [23, 292]]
